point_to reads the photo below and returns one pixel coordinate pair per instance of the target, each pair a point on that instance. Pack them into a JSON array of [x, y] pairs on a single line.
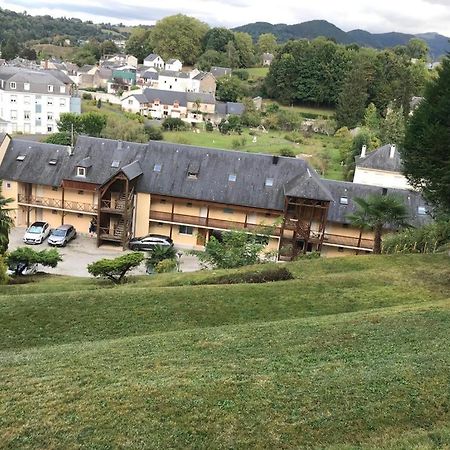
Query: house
[[159, 104], [174, 81], [219, 72], [225, 109], [175, 65], [94, 77], [31, 101], [266, 59], [122, 79], [188, 193], [155, 61], [120, 59], [149, 78], [383, 167], [203, 82]]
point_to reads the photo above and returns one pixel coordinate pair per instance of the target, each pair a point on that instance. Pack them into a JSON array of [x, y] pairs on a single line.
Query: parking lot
[[83, 250]]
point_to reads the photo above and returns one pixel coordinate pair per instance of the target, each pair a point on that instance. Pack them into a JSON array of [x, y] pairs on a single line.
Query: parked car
[[61, 236], [22, 269], [37, 233], [150, 241]]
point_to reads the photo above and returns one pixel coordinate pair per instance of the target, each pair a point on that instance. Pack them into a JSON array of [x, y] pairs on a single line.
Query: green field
[[351, 354], [312, 149], [257, 72]]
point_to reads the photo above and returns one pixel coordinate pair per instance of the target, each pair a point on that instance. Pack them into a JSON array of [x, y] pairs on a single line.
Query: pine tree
[[426, 152]]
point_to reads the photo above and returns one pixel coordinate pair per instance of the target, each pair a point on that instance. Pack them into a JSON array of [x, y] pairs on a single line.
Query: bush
[[265, 275], [427, 239], [294, 136], [158, 254], [236, 143], [176, 124], [209, 127], [241, 74], [115, 269], [287, 151], [87, 96], [166, 265], [154, 133]]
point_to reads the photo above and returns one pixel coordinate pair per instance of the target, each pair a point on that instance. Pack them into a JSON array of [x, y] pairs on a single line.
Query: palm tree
[[376, 212], [6, 222]]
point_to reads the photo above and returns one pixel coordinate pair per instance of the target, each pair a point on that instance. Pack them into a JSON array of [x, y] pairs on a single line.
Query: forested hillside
[[438, 44]]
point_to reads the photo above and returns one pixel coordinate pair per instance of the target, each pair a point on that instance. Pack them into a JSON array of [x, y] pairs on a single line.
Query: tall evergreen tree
[[426, 151]]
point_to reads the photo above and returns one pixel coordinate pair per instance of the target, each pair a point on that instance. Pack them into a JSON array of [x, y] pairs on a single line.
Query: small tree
[[23, 257], [6, 222], [157, 254], [115, 269], [60, 138], [376, 212], [235, 249]]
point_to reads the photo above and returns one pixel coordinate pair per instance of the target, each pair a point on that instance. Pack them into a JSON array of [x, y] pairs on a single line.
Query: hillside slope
[[351, 352], [439, 45]]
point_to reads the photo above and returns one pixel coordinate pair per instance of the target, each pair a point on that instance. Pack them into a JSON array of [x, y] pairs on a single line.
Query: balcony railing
[[207, 222], [67, 205], [348, 241]]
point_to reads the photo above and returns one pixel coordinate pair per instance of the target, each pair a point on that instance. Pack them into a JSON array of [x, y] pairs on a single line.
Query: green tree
[[244, 48], [376, 212], [10, 49], [235, 249], [115, 269], [372, 118], [108, 48], [232, 55], [212, 58], [93, 123], [267, 43], [60, 138], [179, 36], [157, 254], [23, 257], [83, 56], [426, 150], [229, 89], [124, 129], [139, 43], [69, 122], [417, 48], [393, 127], [217, 39], [6, 221]]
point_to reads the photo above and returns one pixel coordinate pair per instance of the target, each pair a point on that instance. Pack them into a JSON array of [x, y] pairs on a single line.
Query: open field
[[55, 50], [313, 149], [352, 353], [257, 72]]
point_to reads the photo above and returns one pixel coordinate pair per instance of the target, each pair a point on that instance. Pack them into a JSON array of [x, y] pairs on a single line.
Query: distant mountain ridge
[[438, 44]]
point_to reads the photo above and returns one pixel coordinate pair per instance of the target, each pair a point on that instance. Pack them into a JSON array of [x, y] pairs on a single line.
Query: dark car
[[59, 237], [150, 241]]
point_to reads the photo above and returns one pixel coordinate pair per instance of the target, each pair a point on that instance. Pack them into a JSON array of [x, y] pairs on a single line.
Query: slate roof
[[150, 75], [290, 176], [219, 72], [149, 95], [339, 212], [173, 74], [151, 57], [380, 159], [225, 108], [172, 60]]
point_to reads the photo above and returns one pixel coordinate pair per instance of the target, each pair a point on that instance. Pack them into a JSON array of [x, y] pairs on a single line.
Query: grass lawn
[[312, 149], [55, 50], [351, 354], [257, 72]]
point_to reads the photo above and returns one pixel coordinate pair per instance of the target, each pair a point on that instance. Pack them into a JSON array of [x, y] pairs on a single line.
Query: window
[[54, 212], [160, 224], [26, 115], [62, 89], [184, 229], [8, 185], [49, 128], [13, 98], [232, 177], [157, 168], [50, 88], [50, 101], [228, 211], [115, 164], [13, 114], [49, 116], [269, 182], [130, 101], [421, 210], [26, 86], [12, 85], [340, 249], [20, 158], [62, 102], [81, 171], [163, 200], [343, 200]]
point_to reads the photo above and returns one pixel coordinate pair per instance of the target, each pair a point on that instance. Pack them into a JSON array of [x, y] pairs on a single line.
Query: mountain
[[438, 44]]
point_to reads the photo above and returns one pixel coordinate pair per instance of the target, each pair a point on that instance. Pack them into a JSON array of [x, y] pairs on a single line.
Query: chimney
[[363, 151], [275, 160], [392, 152]]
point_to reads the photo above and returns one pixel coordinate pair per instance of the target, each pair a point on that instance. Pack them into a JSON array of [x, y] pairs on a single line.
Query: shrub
[[154, 133], [236, 143], [166, 265], [158, 254], [87, 96], [287, 151], [209, 127], [265, 275], [115, 269], [174, 124], [294, 136], [241, 74]]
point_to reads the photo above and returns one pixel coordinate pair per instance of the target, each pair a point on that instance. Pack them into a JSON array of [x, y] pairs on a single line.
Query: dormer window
[[157, 168], [115, 164], [12, 85], [20, 158], [50, 88], [81, 172], [62, 89], [193, 170], [343, 200], [232, 177], [269, 182], [422, 210]]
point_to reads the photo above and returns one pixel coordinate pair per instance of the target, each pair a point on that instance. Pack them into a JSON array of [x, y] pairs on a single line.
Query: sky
[[376, 16]]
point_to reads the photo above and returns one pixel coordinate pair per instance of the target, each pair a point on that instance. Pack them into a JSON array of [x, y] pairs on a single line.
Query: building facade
[[187, 193], [31, 101]]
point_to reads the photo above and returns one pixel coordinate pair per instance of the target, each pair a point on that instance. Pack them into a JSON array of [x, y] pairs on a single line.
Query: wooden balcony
[[109, 234], [206, 222], [55, 203], [348, 241]]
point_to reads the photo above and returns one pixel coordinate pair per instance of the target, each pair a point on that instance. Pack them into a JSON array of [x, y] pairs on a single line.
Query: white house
[[154, 60], [174, 81], [382, 167], [174, 64], [31, 101], [266, 59]]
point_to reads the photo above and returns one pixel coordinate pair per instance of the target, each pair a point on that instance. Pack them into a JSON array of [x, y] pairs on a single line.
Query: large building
[[185, 192], [31, 101]]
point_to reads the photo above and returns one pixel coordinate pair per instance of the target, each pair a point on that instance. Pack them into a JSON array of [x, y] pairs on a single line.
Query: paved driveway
[[83, 251]]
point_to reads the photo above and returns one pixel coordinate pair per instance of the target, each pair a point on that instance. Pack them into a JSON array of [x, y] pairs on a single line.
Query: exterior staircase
[[119, 229]]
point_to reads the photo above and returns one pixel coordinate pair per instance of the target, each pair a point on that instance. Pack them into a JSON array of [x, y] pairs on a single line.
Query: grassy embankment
[[352, 353]]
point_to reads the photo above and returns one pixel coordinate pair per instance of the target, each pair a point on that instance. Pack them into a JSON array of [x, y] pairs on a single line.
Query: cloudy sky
[[409, 16]]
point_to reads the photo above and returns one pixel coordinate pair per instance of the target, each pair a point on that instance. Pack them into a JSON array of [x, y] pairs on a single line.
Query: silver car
[[60, 236]]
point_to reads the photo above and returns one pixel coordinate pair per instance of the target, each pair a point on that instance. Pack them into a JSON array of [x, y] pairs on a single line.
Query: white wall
[[381, 178]]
